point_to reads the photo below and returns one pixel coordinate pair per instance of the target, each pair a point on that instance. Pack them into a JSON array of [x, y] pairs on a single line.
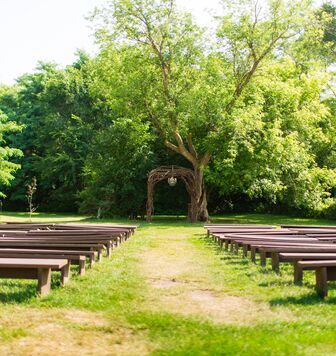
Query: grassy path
[[168, 291]]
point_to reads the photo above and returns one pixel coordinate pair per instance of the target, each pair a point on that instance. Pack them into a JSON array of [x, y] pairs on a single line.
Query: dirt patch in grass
[[81, 317], [164, 283], [180, 278], [219, 308], [57, 331]]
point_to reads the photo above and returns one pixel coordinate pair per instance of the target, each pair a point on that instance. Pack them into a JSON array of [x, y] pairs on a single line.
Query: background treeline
[[91, 132]]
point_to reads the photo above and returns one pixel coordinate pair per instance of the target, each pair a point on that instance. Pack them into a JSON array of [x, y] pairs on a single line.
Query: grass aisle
[[168, 291]]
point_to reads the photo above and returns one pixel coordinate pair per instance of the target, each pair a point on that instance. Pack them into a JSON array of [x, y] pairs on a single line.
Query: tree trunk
[[198, 198], [199, 210]]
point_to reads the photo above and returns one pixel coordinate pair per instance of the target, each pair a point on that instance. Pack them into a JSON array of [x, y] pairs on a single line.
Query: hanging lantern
[[172, 181]]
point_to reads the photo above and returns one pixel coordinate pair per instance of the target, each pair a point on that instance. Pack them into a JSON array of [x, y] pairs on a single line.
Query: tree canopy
[[250, 107]]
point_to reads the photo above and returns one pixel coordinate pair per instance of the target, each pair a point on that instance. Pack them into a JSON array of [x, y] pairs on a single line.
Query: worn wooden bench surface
[[217, 236], [240, 240], [128, 229], [324, 271], [34, 268], [308, 226], [315, 231], [73, 258], [273, 250], [211, 229], [88, 254], [278, 257], [248, 245], [107, 243], [307, 256], [48, 245], [216, 230]]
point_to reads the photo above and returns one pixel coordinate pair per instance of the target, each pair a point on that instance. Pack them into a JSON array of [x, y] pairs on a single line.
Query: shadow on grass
[[230, 261], [308, 299], [17, 291], [275, 283]]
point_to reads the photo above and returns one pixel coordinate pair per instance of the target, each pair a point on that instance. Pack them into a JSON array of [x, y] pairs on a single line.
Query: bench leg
[[226, 245], [262, 258], [253, 254], [92, 260], [44, 281], [245, 249], [109, 249], [275, 261], [100, 254], [321, 282], [298, 274], [231, 246], [82, 267], [65, 273], [236, 248]]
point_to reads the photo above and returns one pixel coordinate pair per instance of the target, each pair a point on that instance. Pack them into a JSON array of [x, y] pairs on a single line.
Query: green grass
[[275, 317], [166, 220]]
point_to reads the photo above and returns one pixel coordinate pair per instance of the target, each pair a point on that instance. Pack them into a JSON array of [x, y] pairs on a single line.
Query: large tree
[[169, 72]]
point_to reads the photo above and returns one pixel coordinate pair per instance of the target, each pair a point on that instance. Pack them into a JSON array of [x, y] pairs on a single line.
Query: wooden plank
[[32, 263]]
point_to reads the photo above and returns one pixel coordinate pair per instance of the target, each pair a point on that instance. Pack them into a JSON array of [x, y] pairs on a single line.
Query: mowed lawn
[[169, 291]]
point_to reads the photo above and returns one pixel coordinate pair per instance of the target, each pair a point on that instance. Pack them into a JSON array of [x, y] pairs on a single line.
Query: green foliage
[[7, 167], [116, 169], [255, 99], [276, 140]]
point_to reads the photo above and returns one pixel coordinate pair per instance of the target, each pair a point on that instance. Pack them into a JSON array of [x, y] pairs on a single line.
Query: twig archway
[[168, 172]]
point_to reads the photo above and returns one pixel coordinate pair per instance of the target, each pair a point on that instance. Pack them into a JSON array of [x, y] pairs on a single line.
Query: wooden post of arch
[[163, 173]]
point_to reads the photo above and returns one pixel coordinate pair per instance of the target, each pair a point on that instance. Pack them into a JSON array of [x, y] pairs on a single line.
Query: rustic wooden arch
[[164, 172]]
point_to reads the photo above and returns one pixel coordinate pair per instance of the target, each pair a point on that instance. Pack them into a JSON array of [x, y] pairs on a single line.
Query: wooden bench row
[[307, 248], [33, 251]]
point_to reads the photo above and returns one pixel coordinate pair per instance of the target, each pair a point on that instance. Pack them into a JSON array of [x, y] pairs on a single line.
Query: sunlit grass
[[276, 317]]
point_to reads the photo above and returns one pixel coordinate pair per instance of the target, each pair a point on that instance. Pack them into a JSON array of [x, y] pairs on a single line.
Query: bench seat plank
[[34, 268]]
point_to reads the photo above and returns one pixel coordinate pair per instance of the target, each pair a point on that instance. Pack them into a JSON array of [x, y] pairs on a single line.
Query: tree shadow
[[308, 299]]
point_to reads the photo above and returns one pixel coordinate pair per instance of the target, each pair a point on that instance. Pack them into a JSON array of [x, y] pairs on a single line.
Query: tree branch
[[205, 159], [191, 145], [181, 149]]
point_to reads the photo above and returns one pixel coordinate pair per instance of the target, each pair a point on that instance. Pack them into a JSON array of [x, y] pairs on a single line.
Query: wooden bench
[[294, 257], [272, 250], [237, 242], [48, 245], [324, 271], [108, 242], [87, 254], [73, 257], [220, 236], [221, 228], [34, 268]]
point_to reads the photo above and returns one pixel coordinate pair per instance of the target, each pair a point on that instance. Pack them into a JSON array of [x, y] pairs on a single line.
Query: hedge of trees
[[250, 107]]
